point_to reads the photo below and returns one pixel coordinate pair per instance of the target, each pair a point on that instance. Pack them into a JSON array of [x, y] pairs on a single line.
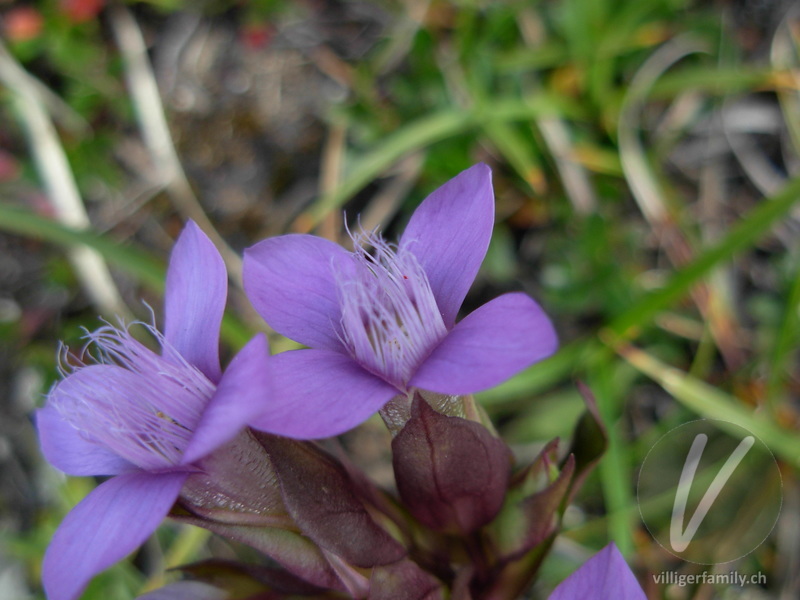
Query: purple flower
[[186, 590], [605, 576], [147, 419], [380, 323]]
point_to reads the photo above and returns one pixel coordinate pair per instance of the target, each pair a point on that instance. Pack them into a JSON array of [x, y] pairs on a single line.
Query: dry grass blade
[[785, 55], [573, 176], [708, 297], [385, 204], [331, 173], [712, 403], [57, 177], [146, 99], [643, 185], [755, 164]]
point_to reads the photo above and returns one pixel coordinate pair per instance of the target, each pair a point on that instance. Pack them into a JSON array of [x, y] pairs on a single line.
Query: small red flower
[[256, 36], [80, 11], [22, 24]]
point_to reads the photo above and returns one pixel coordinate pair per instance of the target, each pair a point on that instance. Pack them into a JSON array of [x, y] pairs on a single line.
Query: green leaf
[[713, 403]]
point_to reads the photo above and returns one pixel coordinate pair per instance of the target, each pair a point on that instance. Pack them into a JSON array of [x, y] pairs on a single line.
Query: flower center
[[139, 405], [390, 319]]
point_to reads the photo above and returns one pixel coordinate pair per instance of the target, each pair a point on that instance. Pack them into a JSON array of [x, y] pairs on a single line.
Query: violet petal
[[605, 576], [146, 418], [290, 280], [449, 234], [111, 522], [488, 346], [67, 450], [197, 287], [241, 395], [186, 590], [319, 393]]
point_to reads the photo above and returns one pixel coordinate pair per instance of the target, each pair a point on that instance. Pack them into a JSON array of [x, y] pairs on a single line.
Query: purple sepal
[[451, 473], [244, 580], [605, 576], [321, 499], [236, 484], [293, 551]]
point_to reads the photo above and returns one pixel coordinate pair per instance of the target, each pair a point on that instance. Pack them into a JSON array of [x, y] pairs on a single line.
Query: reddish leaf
[[541, 509], [461, 584], [321, 499]]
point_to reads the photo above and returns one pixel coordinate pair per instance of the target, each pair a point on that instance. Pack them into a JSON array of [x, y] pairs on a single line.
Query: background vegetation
[[645, 157]]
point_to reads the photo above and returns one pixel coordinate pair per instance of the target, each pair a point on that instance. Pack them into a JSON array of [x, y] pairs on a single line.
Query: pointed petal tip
[[491, 344], [194, 302], [449, 234], [192, 234], [605, 576], [481, 169]]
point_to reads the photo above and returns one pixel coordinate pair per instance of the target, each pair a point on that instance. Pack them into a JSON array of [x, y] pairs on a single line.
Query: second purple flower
[[380, 321]]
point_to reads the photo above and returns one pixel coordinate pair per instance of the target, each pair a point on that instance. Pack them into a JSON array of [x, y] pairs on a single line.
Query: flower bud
[[451, 473]]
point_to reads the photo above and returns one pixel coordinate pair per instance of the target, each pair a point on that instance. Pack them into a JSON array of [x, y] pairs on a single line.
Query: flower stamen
[[390, 320], [140, 405]]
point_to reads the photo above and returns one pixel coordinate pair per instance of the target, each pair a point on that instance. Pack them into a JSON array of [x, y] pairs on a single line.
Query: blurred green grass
[[645, 159]]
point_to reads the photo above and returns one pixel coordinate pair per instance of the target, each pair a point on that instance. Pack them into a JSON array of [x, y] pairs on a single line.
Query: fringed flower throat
[[139, 405], [390, 320]]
